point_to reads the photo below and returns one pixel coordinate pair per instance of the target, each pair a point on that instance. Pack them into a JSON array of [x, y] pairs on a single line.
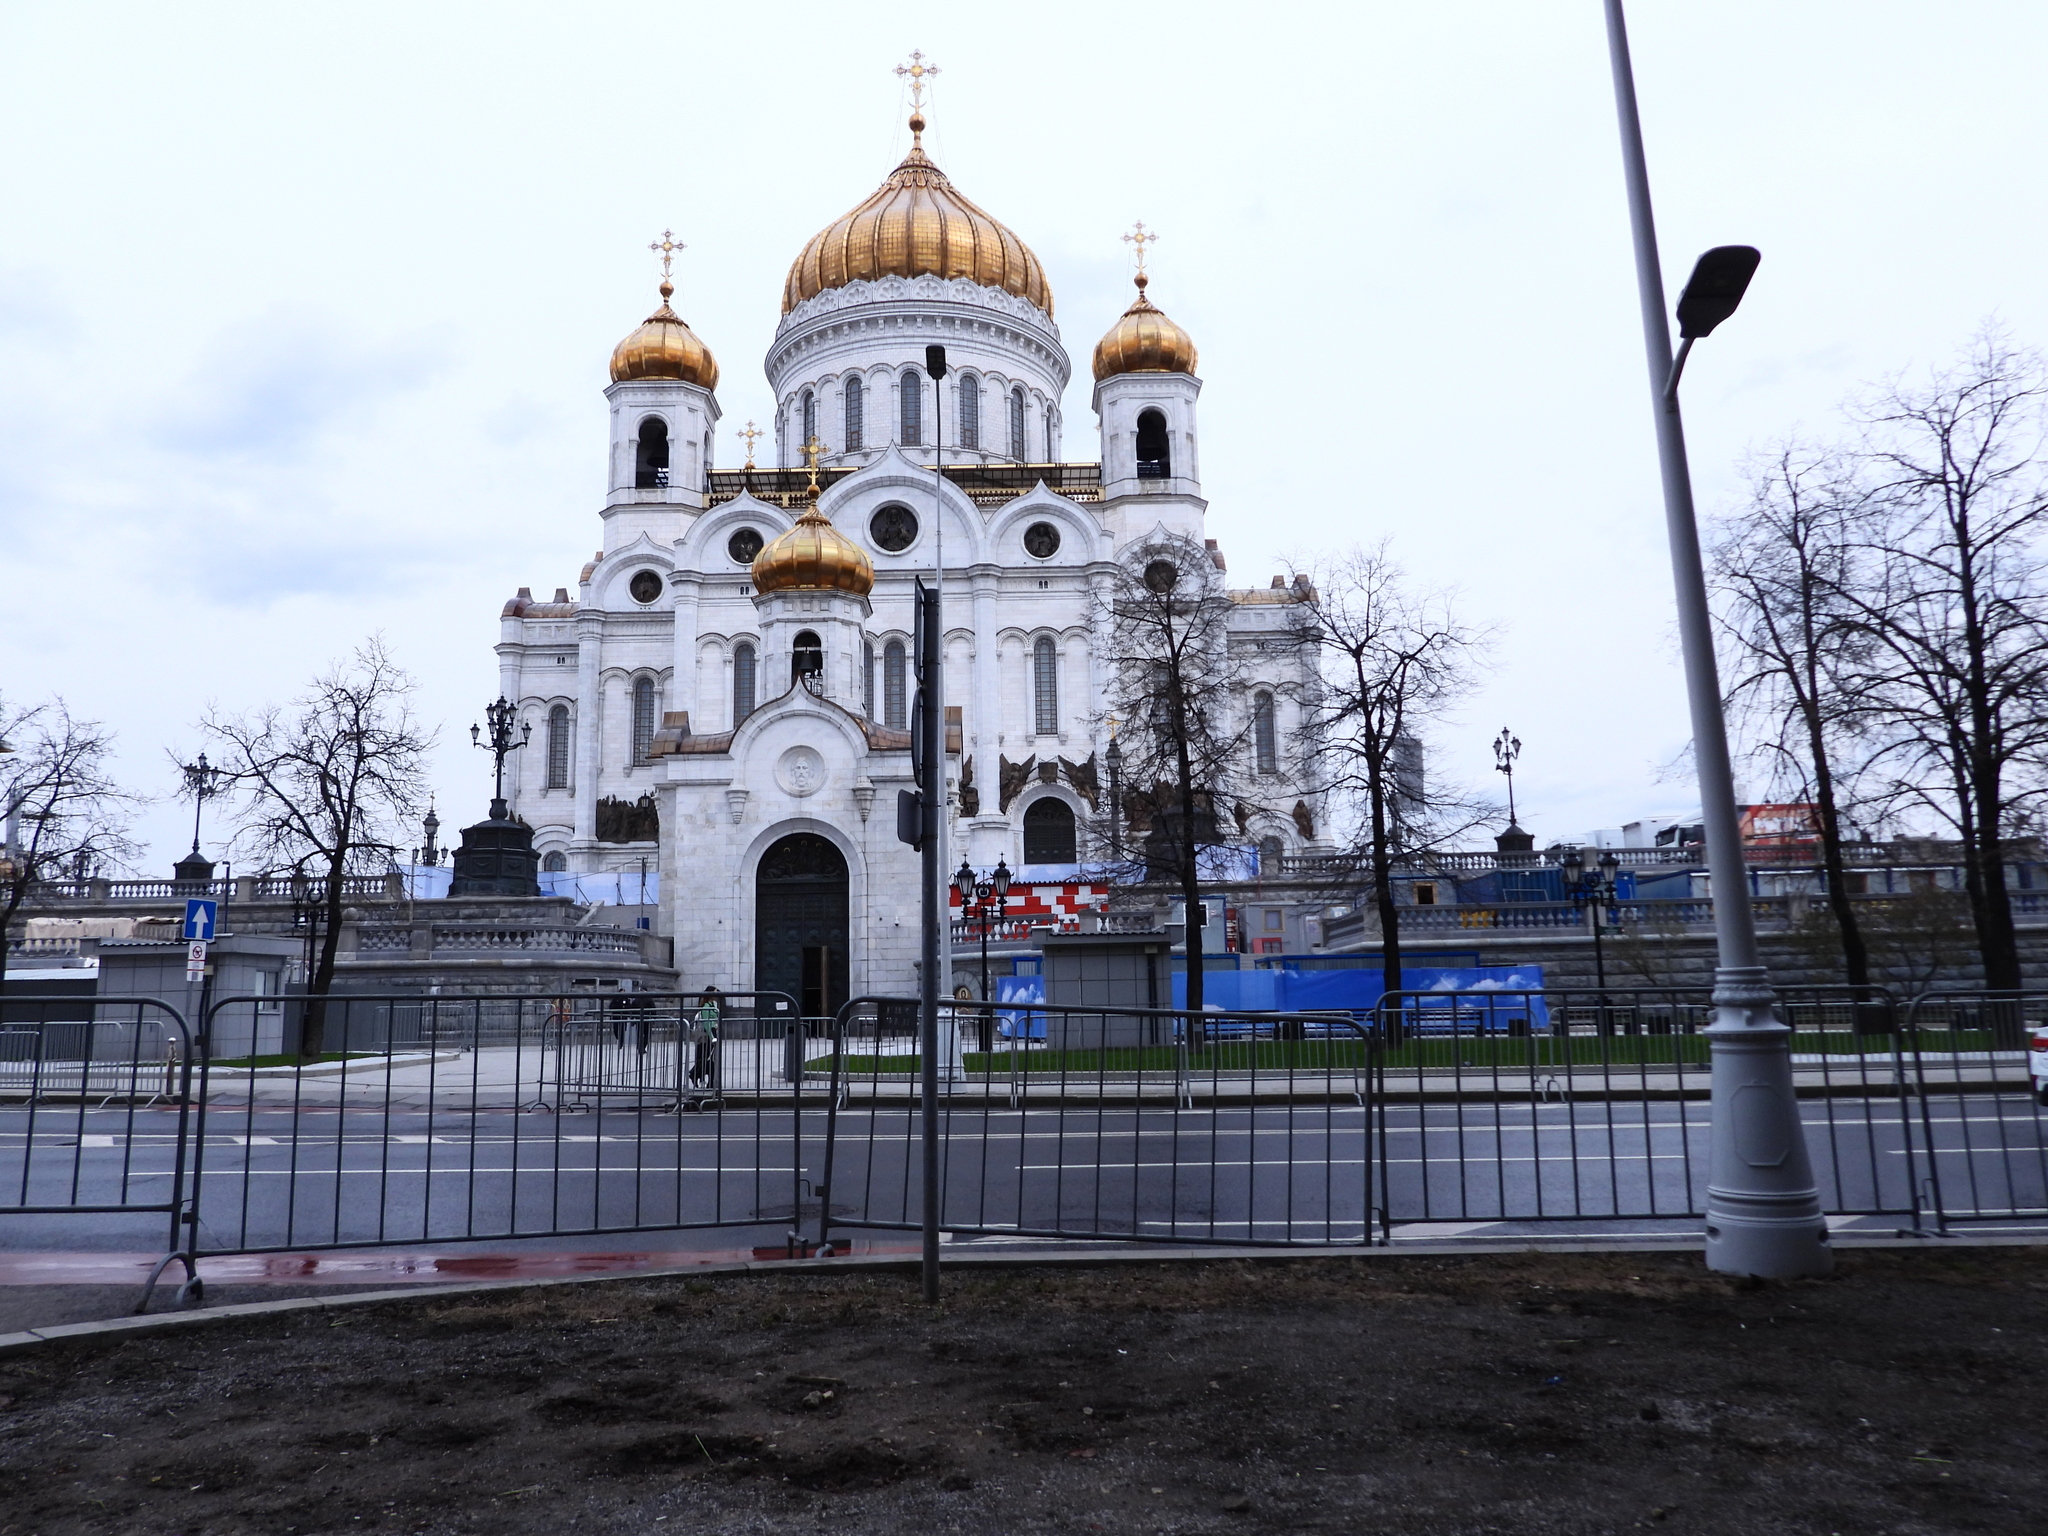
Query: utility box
[[1106, 970]]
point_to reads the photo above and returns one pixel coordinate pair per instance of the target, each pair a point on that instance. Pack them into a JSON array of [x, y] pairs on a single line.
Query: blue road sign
[[199, 917]]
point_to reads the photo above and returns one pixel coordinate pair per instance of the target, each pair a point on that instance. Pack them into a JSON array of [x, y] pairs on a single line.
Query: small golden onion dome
[[814, 556], [916, 223], [1143, 340], [664, 348]]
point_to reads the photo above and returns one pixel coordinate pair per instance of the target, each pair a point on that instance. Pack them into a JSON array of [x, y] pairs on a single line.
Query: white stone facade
[[636, 686]]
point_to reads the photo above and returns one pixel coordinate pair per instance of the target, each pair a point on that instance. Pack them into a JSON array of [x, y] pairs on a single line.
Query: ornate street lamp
[[1114, 758], [500, 746], [984, 900], [1595, 890], [202, 783]]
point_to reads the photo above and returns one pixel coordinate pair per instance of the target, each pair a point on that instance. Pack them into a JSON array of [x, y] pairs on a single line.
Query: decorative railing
[[242, 888], [574, 941], [986, 484]]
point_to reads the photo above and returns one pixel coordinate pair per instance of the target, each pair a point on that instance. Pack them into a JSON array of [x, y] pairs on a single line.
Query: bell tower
[[663, 419]]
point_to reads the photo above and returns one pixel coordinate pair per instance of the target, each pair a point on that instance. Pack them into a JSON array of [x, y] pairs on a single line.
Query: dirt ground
[[1553, 1393]]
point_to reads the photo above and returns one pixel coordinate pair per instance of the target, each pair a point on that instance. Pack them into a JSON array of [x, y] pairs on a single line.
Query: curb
[[118, 1328]]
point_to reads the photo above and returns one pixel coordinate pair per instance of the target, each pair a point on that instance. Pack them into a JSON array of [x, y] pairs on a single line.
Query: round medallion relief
[[800, 771]]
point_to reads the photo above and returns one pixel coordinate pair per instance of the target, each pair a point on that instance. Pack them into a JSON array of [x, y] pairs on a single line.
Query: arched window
[[867, 678], [895, 701], [1045, 687], [806, 657], [555, 863], [650, 462], [1155, 462], [558, 747], [1017, 424], [742, 682], [1270, 849], [1049, 833], [810, 421], [643, 717], [1265, 740], [970, 411], [910, 408], [856, 412]]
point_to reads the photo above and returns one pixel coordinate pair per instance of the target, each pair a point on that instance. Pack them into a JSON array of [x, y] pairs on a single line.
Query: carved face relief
[[800, 771]]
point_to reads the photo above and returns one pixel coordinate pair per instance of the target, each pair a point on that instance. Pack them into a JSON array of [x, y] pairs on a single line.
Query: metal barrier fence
[[464, 1119], [1117, 1123], [1981, 1103], [81, 1082], [454, 1119], [1530, 1106]]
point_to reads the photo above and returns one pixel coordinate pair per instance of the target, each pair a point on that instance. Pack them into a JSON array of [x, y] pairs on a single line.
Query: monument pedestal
[[497, 858]]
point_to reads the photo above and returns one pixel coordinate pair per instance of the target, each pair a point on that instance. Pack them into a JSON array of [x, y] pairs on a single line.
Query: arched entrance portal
[[800, 923]]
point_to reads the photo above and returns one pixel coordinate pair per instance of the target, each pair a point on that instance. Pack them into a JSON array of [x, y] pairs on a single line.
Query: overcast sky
[[305, 310]]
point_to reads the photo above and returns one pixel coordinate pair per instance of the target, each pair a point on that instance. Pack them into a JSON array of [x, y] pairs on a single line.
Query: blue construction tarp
[[1462, 989]]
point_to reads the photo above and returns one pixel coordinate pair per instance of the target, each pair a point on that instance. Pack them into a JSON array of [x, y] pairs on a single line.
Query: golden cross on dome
[[668, 245], [750, 435], [1138, 239], [916, 71], [811, 451]]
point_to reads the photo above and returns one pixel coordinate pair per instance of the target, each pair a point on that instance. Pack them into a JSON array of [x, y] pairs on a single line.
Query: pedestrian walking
[[703, 1037]]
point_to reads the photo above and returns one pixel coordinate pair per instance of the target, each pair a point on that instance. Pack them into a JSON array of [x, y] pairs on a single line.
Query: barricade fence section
[[454, 1119], [1108, 1123], [430, 1119], [1979, 1075], [96, 1120]]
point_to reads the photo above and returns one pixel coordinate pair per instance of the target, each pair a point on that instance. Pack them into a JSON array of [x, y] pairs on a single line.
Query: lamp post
[[1763, 1211], [1596, 890], [1506, 748], [1114, 758], [202, 783], [985, 899], [500, 746]]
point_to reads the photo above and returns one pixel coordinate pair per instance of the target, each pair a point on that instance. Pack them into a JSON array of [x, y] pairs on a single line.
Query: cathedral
[[726, 696]]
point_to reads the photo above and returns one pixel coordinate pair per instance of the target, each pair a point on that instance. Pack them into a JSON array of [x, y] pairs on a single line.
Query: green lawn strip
[[1315, 1055]]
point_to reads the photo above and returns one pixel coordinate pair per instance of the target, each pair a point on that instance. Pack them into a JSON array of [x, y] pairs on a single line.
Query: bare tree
[[320, 785], [1955, 608], [1176, 686], [1783, 569], [63, 813], [1394, 661]]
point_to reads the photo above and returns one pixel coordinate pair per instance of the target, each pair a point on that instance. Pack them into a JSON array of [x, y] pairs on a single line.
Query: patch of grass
[[1480, 1053], [289, 1060]]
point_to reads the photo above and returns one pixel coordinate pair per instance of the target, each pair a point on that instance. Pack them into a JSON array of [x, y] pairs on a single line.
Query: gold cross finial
[[667, 245], [916, 72], [1138, 239], [750, 435], [811, 451]]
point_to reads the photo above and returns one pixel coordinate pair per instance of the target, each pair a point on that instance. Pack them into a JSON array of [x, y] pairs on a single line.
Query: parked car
[[2037, 1063]]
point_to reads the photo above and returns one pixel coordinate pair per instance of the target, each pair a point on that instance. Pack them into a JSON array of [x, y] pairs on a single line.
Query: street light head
[[963, 881], [1609, 863], [473, 734], [935, 360], [1002, 877], [1719, 280], [1573, 863]]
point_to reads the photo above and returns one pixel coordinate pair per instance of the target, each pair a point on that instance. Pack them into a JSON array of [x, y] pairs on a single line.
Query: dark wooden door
[[801, 927]]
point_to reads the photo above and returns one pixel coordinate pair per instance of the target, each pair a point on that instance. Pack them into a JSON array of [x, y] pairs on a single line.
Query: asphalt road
[[289, 1177]]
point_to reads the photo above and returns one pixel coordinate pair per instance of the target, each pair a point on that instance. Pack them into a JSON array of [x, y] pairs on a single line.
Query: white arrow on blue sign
[[199, 917]]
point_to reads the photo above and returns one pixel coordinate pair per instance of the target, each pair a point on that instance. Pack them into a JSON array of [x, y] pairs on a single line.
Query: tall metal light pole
[[932, 727], [500, 745], [1763, 1211]]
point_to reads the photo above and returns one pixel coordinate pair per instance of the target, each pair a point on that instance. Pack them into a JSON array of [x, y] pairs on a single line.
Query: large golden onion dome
[[1143, 340], [916, 223], [664, 348], [814, 556]]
